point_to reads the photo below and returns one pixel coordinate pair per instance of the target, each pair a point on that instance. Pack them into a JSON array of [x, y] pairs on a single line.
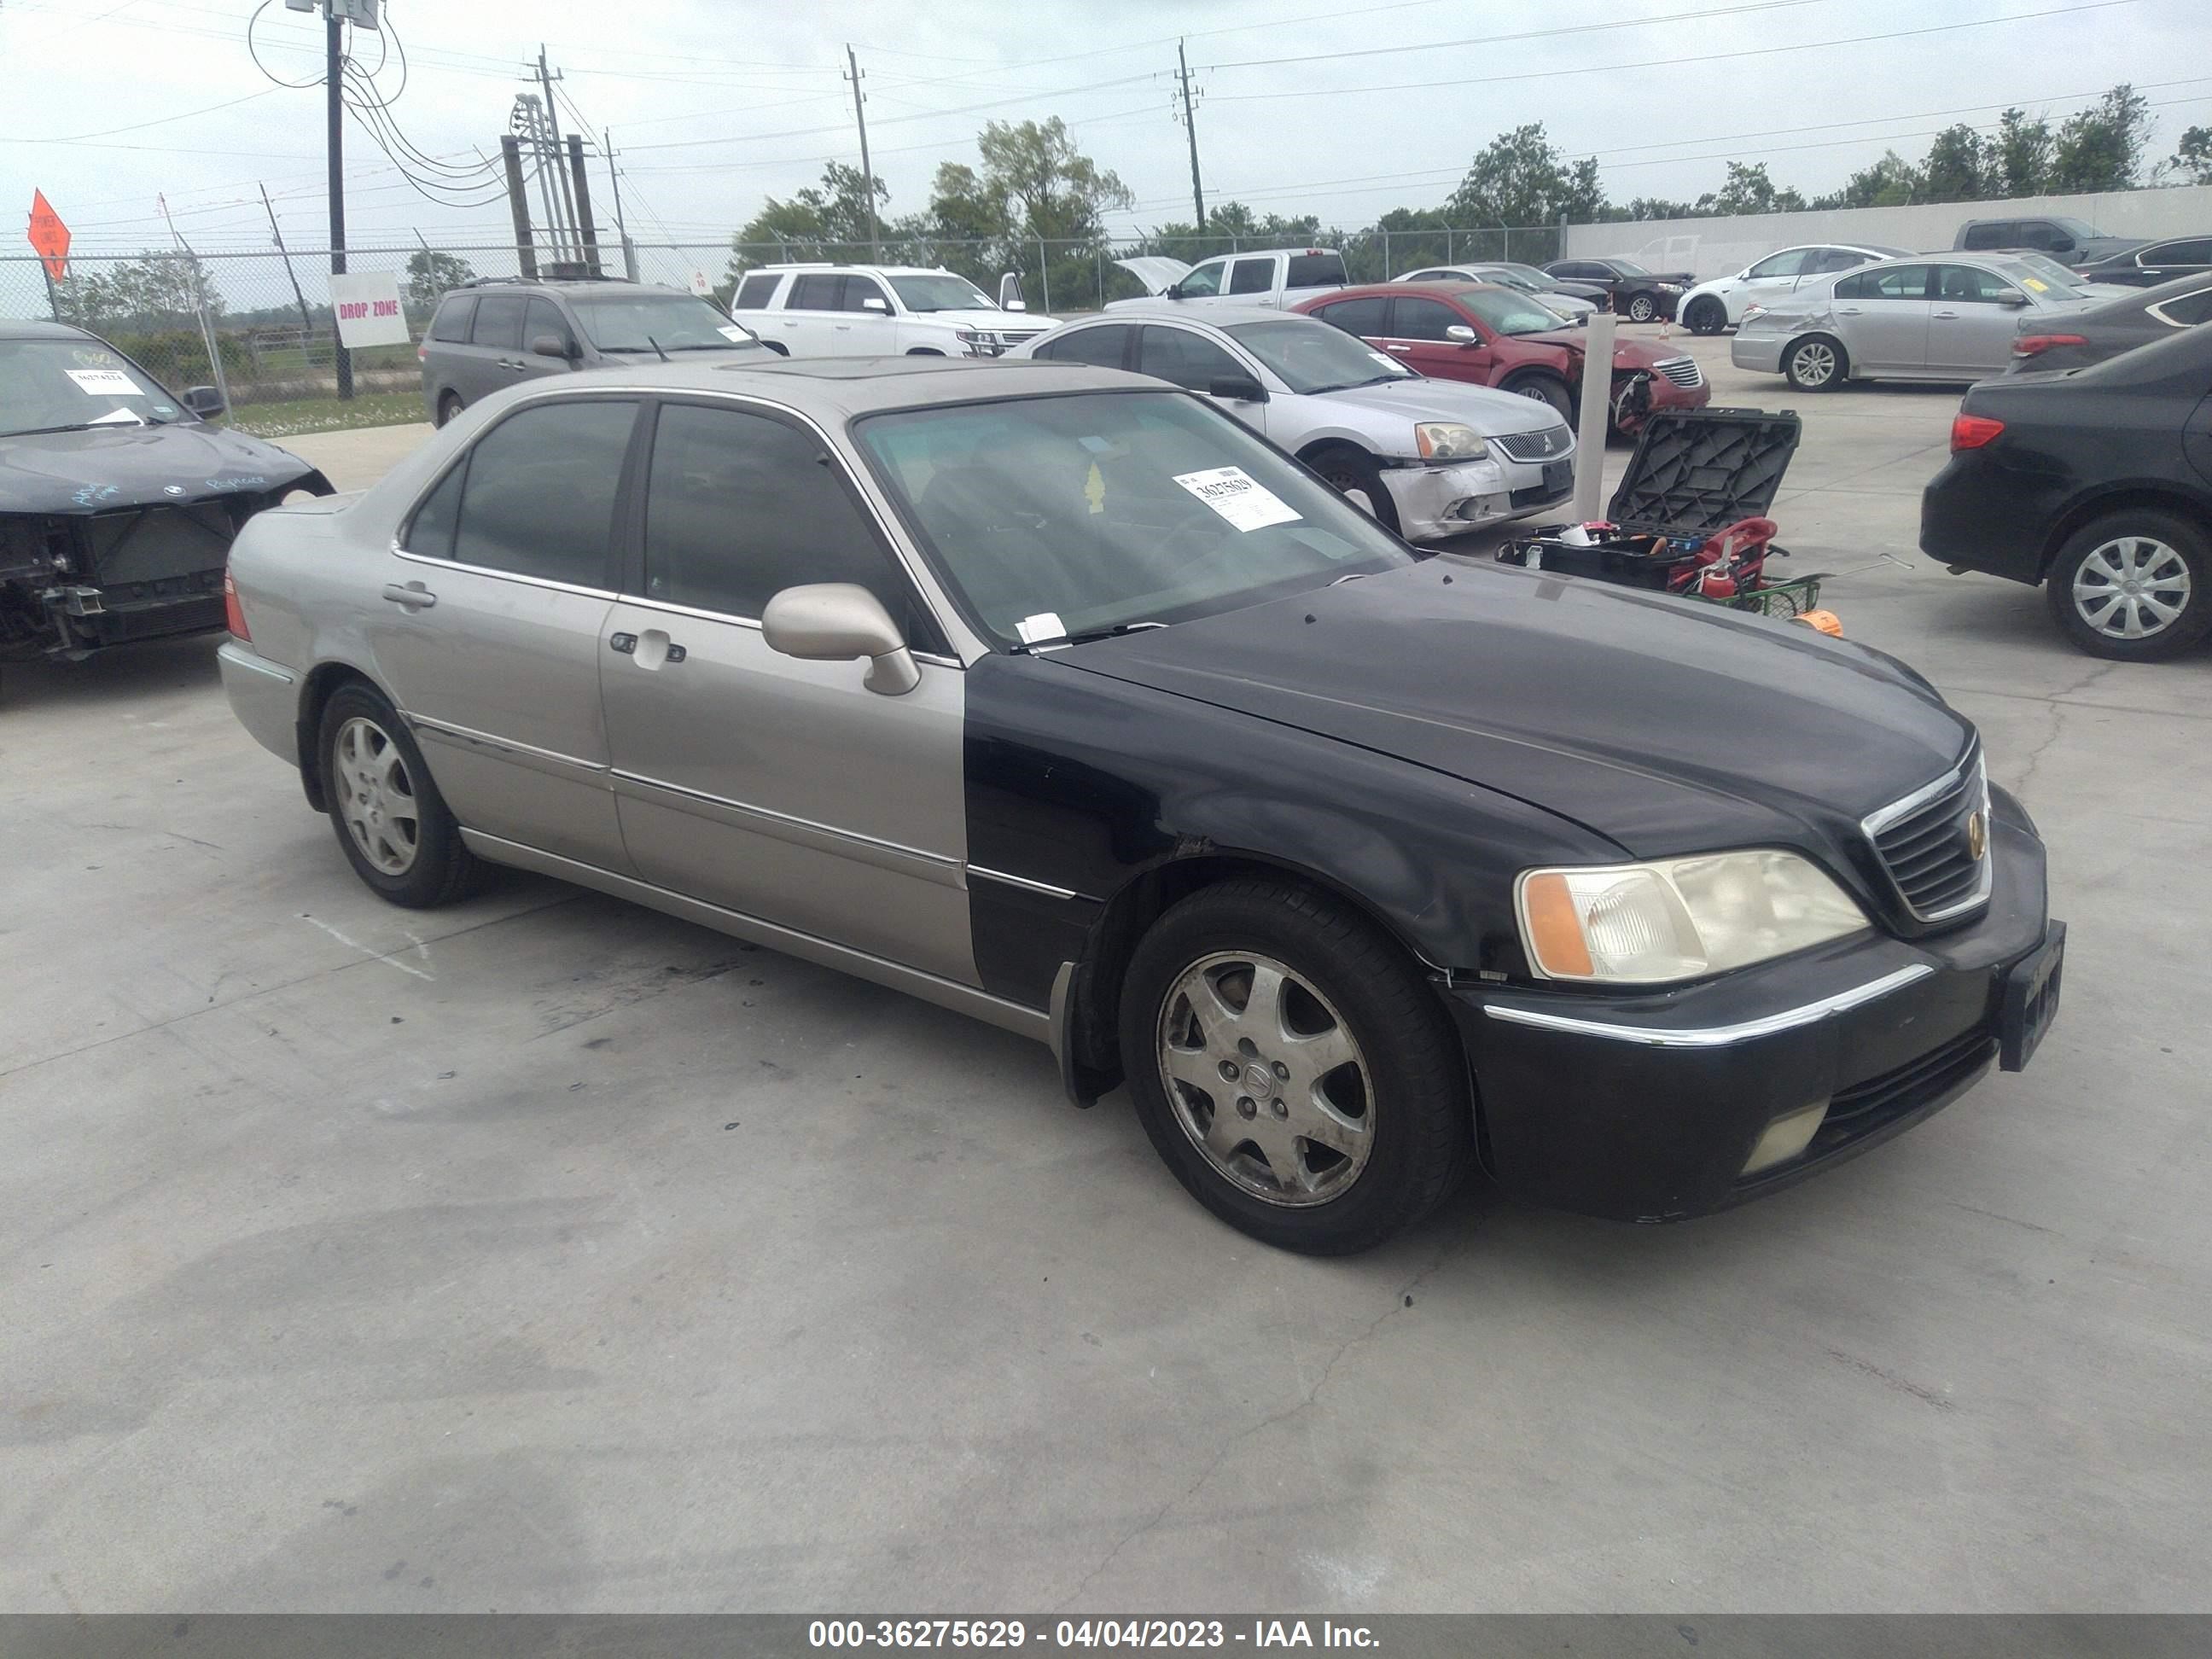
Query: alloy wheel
[[1266, 1079], [2132, 587], [1641, 310], [376, 797], [1814, 363]]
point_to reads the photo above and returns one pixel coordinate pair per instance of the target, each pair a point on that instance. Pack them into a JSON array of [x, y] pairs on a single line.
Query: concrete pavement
[[546, 1253]]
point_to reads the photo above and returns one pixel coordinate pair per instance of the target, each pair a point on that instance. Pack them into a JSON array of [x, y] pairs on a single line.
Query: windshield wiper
[[1114, 631], [34, 431]]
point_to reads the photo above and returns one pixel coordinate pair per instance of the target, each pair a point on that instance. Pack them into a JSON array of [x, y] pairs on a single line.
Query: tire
[[449, 406], [2169, 559], [1817, 363], [373, 778], [1706, 315], [1642, 308], [1353, 475], [1398, 1105], [1545, 389]]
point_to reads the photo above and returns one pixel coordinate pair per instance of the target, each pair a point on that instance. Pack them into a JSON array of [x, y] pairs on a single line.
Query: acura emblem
[[1977, 836], [173, 490]]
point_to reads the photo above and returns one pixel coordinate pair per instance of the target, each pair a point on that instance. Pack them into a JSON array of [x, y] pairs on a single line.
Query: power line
[[1527, 34]]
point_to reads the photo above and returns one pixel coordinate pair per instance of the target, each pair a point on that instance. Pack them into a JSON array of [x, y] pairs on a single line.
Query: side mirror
[[552, 345], [204, 401], [1238, 388], [1010, 292], [876, 304], [2011, 297], [2064, 245], [1461, 333], [837, 622]]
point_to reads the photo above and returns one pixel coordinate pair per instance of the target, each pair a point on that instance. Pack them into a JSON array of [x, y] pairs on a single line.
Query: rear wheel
[[1292, 1069], [1706, 315], [2133, 586], [1545, 389], [1354, 476], [1816, 363], [390, 821], [448, 406], [1642, 308]]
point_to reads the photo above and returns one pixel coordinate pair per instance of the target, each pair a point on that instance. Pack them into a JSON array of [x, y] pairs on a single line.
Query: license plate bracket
[[2029, 1001], [1558, 477]]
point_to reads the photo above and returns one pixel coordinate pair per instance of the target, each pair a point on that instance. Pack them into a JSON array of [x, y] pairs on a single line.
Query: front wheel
[[1642, 308], [1545, 389], [1292, 1069], [2133, 586], [1359, 481], [448, 406], [1706, 315], [1815, 363], [392, 822]]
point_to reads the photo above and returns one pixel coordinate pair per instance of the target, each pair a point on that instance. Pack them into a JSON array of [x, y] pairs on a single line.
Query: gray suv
[[501, 329]]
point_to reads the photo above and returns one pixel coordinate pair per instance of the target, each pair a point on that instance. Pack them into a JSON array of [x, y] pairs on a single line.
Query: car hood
[[103, 468], [1156, 271], [1492, 414], [1665, 726], [1627, 354], [990, 322]]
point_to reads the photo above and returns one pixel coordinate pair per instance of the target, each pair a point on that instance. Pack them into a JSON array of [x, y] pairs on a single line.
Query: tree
[[2101, 148], [431, 276], [2193, 157], [2020, 156], [824, 221], [1522, 179], [1891, 182], [157, 289], [1748, 190], [1958, 166], [1034, 187]]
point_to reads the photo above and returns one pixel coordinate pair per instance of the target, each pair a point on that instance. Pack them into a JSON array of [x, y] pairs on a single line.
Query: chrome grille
[[1682, 371], [1933, 844], [1553, 440]]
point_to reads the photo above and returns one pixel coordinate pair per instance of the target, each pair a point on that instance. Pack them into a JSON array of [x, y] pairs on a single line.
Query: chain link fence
[[268, 313]]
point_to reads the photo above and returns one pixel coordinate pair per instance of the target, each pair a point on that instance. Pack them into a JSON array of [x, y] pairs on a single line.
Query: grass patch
[[307, 415]]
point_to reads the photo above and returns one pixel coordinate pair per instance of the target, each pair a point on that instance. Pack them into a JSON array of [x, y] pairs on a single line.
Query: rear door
[[813, 307], [1969, 333], [487, 630], [2170, 259], [1882, 316], [780, 789], [494, 356], [1104, 344]]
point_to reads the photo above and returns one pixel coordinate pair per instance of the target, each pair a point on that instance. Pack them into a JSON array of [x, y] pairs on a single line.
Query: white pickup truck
[[868, 311], [1280, 278]]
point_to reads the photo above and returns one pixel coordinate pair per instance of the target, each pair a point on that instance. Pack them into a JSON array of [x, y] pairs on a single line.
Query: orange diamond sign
[[49, 237]]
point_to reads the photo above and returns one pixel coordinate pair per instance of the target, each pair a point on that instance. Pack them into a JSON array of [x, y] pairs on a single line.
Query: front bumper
[[1761, 352], [1437, 502], [1646, 1106]]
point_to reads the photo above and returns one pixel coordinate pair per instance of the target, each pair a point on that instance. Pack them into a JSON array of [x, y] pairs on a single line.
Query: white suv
[[865, 310]]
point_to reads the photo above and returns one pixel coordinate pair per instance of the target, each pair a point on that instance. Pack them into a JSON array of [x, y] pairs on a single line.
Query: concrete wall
[[1723, 246]]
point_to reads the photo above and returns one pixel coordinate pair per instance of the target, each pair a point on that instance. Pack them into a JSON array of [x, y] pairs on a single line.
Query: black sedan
[[117, 500], [2107, 329], [2148, 263], [1637, 294], [2097, 483], [1356, 867]]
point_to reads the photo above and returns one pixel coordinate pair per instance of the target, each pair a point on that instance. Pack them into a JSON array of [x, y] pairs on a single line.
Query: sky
[[1344, 111]]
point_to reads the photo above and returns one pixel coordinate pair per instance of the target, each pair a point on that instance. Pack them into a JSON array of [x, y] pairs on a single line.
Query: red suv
[[1500, 338]]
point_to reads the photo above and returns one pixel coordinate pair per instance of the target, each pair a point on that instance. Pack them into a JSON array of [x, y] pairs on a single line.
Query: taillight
[[422, 352], [1973, 431], [2029, 345], [234, 617]]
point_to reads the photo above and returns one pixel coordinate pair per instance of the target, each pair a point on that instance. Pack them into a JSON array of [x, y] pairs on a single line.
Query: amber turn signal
[[1554, 935]]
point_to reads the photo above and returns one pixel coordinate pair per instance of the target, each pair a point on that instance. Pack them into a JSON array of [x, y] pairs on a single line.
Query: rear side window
[[1893, 283], [755, 292], [2189, 309], [1365, 318], [814, 293], [499, 322], [539, 496], [453, 317], [1252, 276], [2196, 251], [1315, 270], [1998, 233], [1103, 346]]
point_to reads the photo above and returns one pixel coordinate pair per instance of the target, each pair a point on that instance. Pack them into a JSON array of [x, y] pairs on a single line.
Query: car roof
[[837, 389], [1209, 317], [569, 285], [1419, 290], [827, 269], [34, 330]]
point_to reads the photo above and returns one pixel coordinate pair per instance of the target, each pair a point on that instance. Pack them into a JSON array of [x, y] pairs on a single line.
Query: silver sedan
[[1952, 318], [1431, 459]]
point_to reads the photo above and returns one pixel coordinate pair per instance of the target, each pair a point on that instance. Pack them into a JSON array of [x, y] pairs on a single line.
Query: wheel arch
[[2145, 496], [322, 684]]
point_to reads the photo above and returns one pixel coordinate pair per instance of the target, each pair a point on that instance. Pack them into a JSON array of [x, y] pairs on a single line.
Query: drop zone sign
[[366, 304]]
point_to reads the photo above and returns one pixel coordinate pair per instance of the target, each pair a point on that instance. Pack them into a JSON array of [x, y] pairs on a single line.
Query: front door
[[780, 789], [1419, 338], [486, 631], [1186, 358], [1969, 334], [1883, 317]]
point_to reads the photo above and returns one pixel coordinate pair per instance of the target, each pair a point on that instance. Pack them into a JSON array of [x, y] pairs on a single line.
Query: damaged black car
[[118, 499]]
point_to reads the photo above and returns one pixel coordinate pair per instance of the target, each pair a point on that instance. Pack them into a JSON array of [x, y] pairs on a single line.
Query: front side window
[[1968, 284], [1424, 319], [1836, 259], [626, 320], [539, 495], [1252, 276], [1078, 513], [755, 292], [1368, 319], [1201, 281], [1308, 356], [1787, 262], [859, 290], [1506, 312], [544, 317], [1186, 359], [1103, 346], [499, 322], [740, 507], [61, 384]]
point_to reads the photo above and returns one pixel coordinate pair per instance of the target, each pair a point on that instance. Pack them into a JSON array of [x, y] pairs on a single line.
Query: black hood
[[102, 468], [1664, 725]]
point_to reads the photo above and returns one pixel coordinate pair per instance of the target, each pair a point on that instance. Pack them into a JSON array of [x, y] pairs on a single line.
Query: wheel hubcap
[[1266, 1079], [376, 796], [2132, 587], [1640, 312], [1814, 364]]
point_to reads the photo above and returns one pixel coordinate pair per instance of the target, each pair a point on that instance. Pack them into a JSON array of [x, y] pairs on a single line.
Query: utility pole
[[614, 177], [334, 89], [867, 174], [588, 232], [1190, 129], [554, 150], [307, 323], [517, 202]]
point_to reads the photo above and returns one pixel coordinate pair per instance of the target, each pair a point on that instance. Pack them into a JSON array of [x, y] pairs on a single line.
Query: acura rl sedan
[[1053, 694]]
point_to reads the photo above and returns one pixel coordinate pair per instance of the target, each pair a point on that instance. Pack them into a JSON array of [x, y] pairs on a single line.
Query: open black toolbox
[[1695, 471]]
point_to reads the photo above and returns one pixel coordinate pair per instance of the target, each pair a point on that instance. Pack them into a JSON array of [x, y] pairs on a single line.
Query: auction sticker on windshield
[[1238, 497], [103, 382], [735, 336]]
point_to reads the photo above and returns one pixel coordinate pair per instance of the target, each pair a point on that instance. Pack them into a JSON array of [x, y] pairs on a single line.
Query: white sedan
[[1431, 459], [1720, 304]]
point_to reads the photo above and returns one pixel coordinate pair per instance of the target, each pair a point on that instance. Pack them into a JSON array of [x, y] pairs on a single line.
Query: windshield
[[1315, 357], [1508, 312], [1506, 277], [945, 293], [674, 322], [1053, 518], [1628, 268], [59, 386], [2048, 268], [1526, 277]]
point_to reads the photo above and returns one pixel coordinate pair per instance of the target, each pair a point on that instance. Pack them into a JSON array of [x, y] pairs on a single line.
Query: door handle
[[1398, 348], [1848, 311], [412, 598], [1949, 314]]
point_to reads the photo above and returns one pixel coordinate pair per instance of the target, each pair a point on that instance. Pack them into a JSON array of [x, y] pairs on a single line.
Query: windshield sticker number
[[1238, 497], [103, 383], [732, 333], [1045, 625], [1390, 363]]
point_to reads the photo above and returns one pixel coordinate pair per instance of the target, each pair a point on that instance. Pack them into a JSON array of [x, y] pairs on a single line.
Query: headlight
[[1672, 919], [979, 343], [1448, 441]]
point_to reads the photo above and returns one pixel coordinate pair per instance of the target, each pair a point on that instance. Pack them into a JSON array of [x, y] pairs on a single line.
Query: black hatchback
[[2096, 483]]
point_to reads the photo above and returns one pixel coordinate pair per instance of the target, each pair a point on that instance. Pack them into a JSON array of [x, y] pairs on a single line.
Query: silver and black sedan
[[1054, 694], [2089, 336]]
